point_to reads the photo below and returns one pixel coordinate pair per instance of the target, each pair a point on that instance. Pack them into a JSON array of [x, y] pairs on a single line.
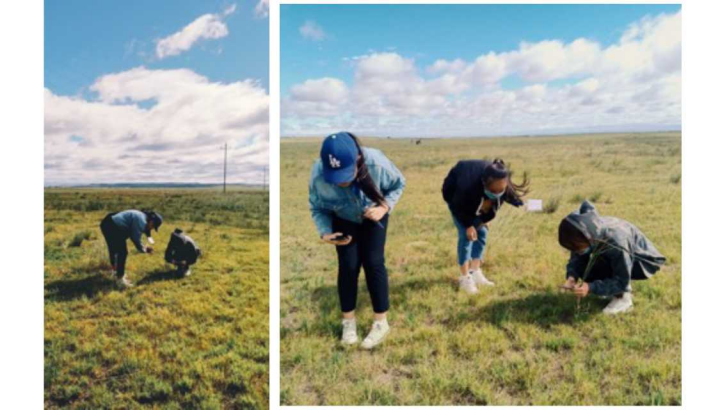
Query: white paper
[[534, 205]]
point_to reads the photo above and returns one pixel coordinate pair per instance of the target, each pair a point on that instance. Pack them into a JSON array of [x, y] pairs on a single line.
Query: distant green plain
[[199, 342]]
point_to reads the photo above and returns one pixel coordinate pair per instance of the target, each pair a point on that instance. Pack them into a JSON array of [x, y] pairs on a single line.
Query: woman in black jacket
[[474, 191]]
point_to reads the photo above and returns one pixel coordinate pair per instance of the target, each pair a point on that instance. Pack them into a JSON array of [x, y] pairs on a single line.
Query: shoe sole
[[619, 312]]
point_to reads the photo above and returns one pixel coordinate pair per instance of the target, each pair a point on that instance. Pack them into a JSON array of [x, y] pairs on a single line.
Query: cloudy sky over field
[[479, 70], [150, 92]]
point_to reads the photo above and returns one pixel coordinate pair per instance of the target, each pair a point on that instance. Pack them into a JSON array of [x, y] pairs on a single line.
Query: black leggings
[[116, 243], [367, 249]]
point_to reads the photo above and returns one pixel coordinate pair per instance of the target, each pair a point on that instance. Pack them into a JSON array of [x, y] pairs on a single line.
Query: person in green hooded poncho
[[607, 253]]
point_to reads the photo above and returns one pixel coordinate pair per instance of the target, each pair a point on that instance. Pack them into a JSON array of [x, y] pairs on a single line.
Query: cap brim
[[339, 176]]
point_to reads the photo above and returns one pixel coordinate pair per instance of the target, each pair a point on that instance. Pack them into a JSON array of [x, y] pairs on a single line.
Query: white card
[[534, 205]]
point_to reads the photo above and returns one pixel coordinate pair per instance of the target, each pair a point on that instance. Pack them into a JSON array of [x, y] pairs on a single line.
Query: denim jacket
[[132, 223], [350, 203]]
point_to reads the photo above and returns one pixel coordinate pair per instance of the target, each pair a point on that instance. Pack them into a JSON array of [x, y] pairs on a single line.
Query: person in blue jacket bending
[[118, 227]]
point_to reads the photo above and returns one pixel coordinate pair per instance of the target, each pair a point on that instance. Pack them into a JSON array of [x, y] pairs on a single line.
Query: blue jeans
[[467, 250]]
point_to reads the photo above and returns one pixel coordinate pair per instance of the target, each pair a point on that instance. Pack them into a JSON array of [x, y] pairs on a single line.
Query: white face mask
[[493, 195]]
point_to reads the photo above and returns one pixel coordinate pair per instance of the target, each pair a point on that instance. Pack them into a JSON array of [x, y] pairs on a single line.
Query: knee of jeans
[[374, 263], [348, 267], [482, 234]]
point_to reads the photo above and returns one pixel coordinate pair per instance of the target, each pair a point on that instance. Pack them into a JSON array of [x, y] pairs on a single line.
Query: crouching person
[[182, 252], [608, 253], [118, 227]]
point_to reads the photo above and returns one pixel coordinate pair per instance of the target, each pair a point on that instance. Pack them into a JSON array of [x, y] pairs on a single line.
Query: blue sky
[[149, 91], [428, 33], [86, 39]]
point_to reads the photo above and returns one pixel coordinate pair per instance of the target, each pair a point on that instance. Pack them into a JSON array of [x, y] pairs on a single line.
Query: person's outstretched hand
[[569, 284], [582, 290], [471, 234], [330, 238]]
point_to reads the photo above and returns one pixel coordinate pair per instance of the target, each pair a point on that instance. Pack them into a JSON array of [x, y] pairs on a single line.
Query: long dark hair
[[363, 178], [514, 192]]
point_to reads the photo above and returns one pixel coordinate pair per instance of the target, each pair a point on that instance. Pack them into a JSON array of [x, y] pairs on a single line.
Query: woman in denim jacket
[[353, 189]]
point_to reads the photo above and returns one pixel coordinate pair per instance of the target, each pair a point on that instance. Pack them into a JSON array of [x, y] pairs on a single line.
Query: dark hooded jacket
[[464, 192], [181, 248], [628, 252]]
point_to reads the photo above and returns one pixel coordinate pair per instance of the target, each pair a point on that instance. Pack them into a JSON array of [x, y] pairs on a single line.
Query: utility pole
[[225, 171], [264, 178]]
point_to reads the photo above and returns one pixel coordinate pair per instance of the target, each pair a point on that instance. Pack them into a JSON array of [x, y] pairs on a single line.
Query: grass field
[[521, 342], [199, 342]]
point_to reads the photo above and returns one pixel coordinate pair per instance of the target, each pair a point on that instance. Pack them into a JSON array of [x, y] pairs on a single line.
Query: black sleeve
[[449, 185], [453, 196], [575, 267], [170, 251], [621, 265]]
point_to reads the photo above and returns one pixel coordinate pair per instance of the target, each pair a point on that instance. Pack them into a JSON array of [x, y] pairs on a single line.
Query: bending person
[[616, 252], [474, 191], [352, 192], [118, 227]]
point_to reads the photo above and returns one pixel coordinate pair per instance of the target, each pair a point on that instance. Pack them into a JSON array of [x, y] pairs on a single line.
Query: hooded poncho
[[629, 253]]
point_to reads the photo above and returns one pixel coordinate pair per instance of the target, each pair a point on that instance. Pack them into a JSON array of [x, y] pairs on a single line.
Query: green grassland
[[521, 342], [197, 342]]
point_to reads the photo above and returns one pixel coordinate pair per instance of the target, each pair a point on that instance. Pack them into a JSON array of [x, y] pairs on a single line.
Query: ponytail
[[363, 178]]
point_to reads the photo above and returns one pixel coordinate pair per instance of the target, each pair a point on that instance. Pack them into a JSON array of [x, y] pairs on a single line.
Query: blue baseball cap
[[339, 155], [156, 218]]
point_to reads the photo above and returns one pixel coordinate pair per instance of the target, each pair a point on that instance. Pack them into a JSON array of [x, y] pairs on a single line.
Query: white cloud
[[229, 10], [325, 89], [487, 69], [312, 31], [322, 97], [262, 9], [205, 27], [634, 83], [157, 125], [443, 66]]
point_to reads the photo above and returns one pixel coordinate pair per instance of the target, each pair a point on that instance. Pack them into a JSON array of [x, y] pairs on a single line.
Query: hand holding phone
[[337, 239]]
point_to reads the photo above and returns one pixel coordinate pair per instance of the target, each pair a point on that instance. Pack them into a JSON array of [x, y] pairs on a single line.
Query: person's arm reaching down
[[136, 230], [621, 265], [321, 216], [392, 185]]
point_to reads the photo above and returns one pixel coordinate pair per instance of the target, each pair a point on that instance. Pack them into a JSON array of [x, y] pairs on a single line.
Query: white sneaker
[[480, 279], [123, 283], [468, 284], [619, 304], [349, 335], [379, 330]]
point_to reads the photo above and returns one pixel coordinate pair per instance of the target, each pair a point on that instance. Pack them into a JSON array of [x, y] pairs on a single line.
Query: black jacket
[[181, 248], [464, 191]]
